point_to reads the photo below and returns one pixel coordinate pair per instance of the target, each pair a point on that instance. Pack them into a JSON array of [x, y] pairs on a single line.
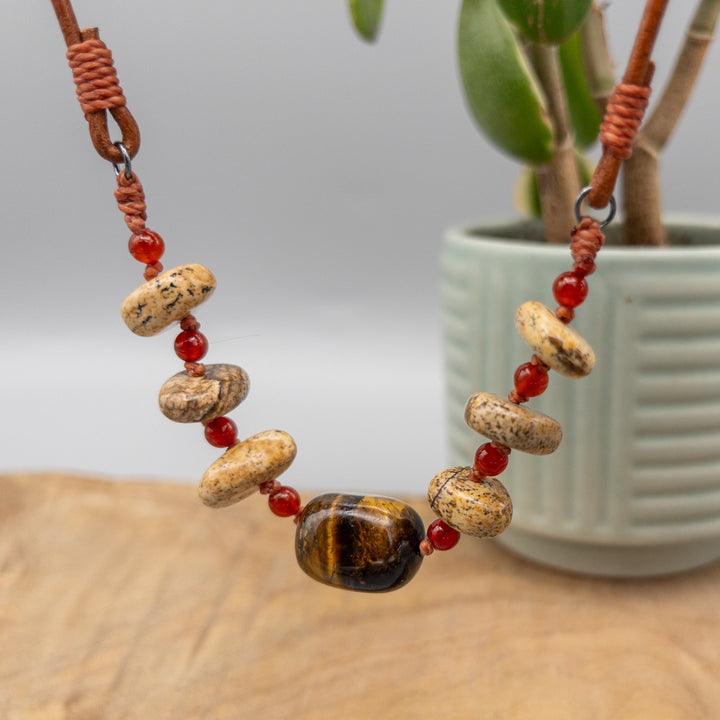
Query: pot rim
[[473, 233]]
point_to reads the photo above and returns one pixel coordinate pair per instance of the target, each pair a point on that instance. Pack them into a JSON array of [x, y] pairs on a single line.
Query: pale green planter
[[634, 488]]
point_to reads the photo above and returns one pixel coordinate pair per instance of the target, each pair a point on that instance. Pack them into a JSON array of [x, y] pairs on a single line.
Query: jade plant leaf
[[584, 115], [546, 21], [502, 94], [366, 16]]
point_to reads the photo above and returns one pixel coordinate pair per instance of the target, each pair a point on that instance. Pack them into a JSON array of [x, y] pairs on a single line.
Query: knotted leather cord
[[626, 107], [103, 94]]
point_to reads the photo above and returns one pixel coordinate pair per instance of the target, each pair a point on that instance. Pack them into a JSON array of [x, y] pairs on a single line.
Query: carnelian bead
[[191, 345], [570, 289], [146, 246], [489, 461], [284, 501], [530, 380], [441, 536], [221, 432]]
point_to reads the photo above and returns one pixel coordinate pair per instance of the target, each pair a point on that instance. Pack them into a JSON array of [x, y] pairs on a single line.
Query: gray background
[[313, 174]]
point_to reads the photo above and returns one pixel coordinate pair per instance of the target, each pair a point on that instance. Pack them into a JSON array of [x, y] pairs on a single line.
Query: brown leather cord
[[97, 116], [621, 120]]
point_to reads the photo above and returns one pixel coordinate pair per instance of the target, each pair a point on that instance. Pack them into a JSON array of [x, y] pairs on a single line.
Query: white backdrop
[[312, 173]]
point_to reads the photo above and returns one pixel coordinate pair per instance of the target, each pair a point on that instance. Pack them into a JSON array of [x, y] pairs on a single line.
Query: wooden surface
[[129, 600]]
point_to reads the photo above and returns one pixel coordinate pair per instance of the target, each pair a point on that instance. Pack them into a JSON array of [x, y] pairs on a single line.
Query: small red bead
[[221, 432], [146, 246], [191, 345], [570, 289], [441, 536], [284, 502], [489, 461], [530, 380]]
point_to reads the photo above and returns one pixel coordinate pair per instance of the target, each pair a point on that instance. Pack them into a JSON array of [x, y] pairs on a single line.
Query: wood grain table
[[132, 600]]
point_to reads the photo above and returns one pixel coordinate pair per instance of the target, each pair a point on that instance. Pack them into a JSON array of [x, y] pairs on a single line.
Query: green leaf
[[546, 21], [501, 91], [366, 15], [584, 115]]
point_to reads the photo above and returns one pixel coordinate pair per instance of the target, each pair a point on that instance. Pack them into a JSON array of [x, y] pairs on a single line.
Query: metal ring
[[127, 162], [578, 204]]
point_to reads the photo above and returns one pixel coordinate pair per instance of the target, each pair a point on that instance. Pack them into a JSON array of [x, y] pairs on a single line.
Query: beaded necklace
[[356, 542]]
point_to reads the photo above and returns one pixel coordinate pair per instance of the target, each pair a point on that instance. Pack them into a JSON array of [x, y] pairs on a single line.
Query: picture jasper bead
[[555, 343], [245, 466], [167, 298], [185, 398], [482, 509], [510, 424], [359, 542]]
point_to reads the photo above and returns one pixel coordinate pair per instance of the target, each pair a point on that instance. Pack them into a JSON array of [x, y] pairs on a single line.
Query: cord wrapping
[[95, 77]]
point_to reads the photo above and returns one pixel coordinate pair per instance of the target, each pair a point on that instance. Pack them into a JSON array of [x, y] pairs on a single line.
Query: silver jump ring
[[578, 205], [126, 161]]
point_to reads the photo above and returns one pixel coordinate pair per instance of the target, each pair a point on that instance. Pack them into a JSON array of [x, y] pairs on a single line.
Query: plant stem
[[643, 224], [596, 57], [558, 181]]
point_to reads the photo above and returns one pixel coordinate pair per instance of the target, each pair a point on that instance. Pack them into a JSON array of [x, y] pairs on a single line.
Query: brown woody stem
[[596, 57], [641, 184], [558, 181]]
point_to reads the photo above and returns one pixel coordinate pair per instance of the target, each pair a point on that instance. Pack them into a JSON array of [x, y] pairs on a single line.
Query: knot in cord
[[96, 80], [623, 116], [130, 198], [587, 238]]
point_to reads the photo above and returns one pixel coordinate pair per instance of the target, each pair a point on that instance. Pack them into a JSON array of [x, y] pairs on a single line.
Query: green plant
[[537, 75]]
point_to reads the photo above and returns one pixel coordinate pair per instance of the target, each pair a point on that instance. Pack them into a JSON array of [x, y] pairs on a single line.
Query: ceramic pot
[[634, 488]]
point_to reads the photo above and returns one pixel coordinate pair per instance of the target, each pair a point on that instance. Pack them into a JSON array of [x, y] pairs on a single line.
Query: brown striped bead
[[359, 542]]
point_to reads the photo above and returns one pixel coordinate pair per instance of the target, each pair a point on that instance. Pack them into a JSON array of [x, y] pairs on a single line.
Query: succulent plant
[[537, 75]]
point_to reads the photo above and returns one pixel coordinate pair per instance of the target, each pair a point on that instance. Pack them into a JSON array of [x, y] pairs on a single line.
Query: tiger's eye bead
[[166, 298], [513, 425], [554, 342], [186, 398], [245, 466], [359, 542], [481, 508]]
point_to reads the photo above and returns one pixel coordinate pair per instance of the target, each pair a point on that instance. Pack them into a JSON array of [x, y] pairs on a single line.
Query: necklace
[[355, 542]]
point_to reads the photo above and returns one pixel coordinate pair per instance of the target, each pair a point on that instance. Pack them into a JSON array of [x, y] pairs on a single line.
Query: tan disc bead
[[510, 424], [245, 467], [167, 298], [185, 398], [482, 509], [554, 342]]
